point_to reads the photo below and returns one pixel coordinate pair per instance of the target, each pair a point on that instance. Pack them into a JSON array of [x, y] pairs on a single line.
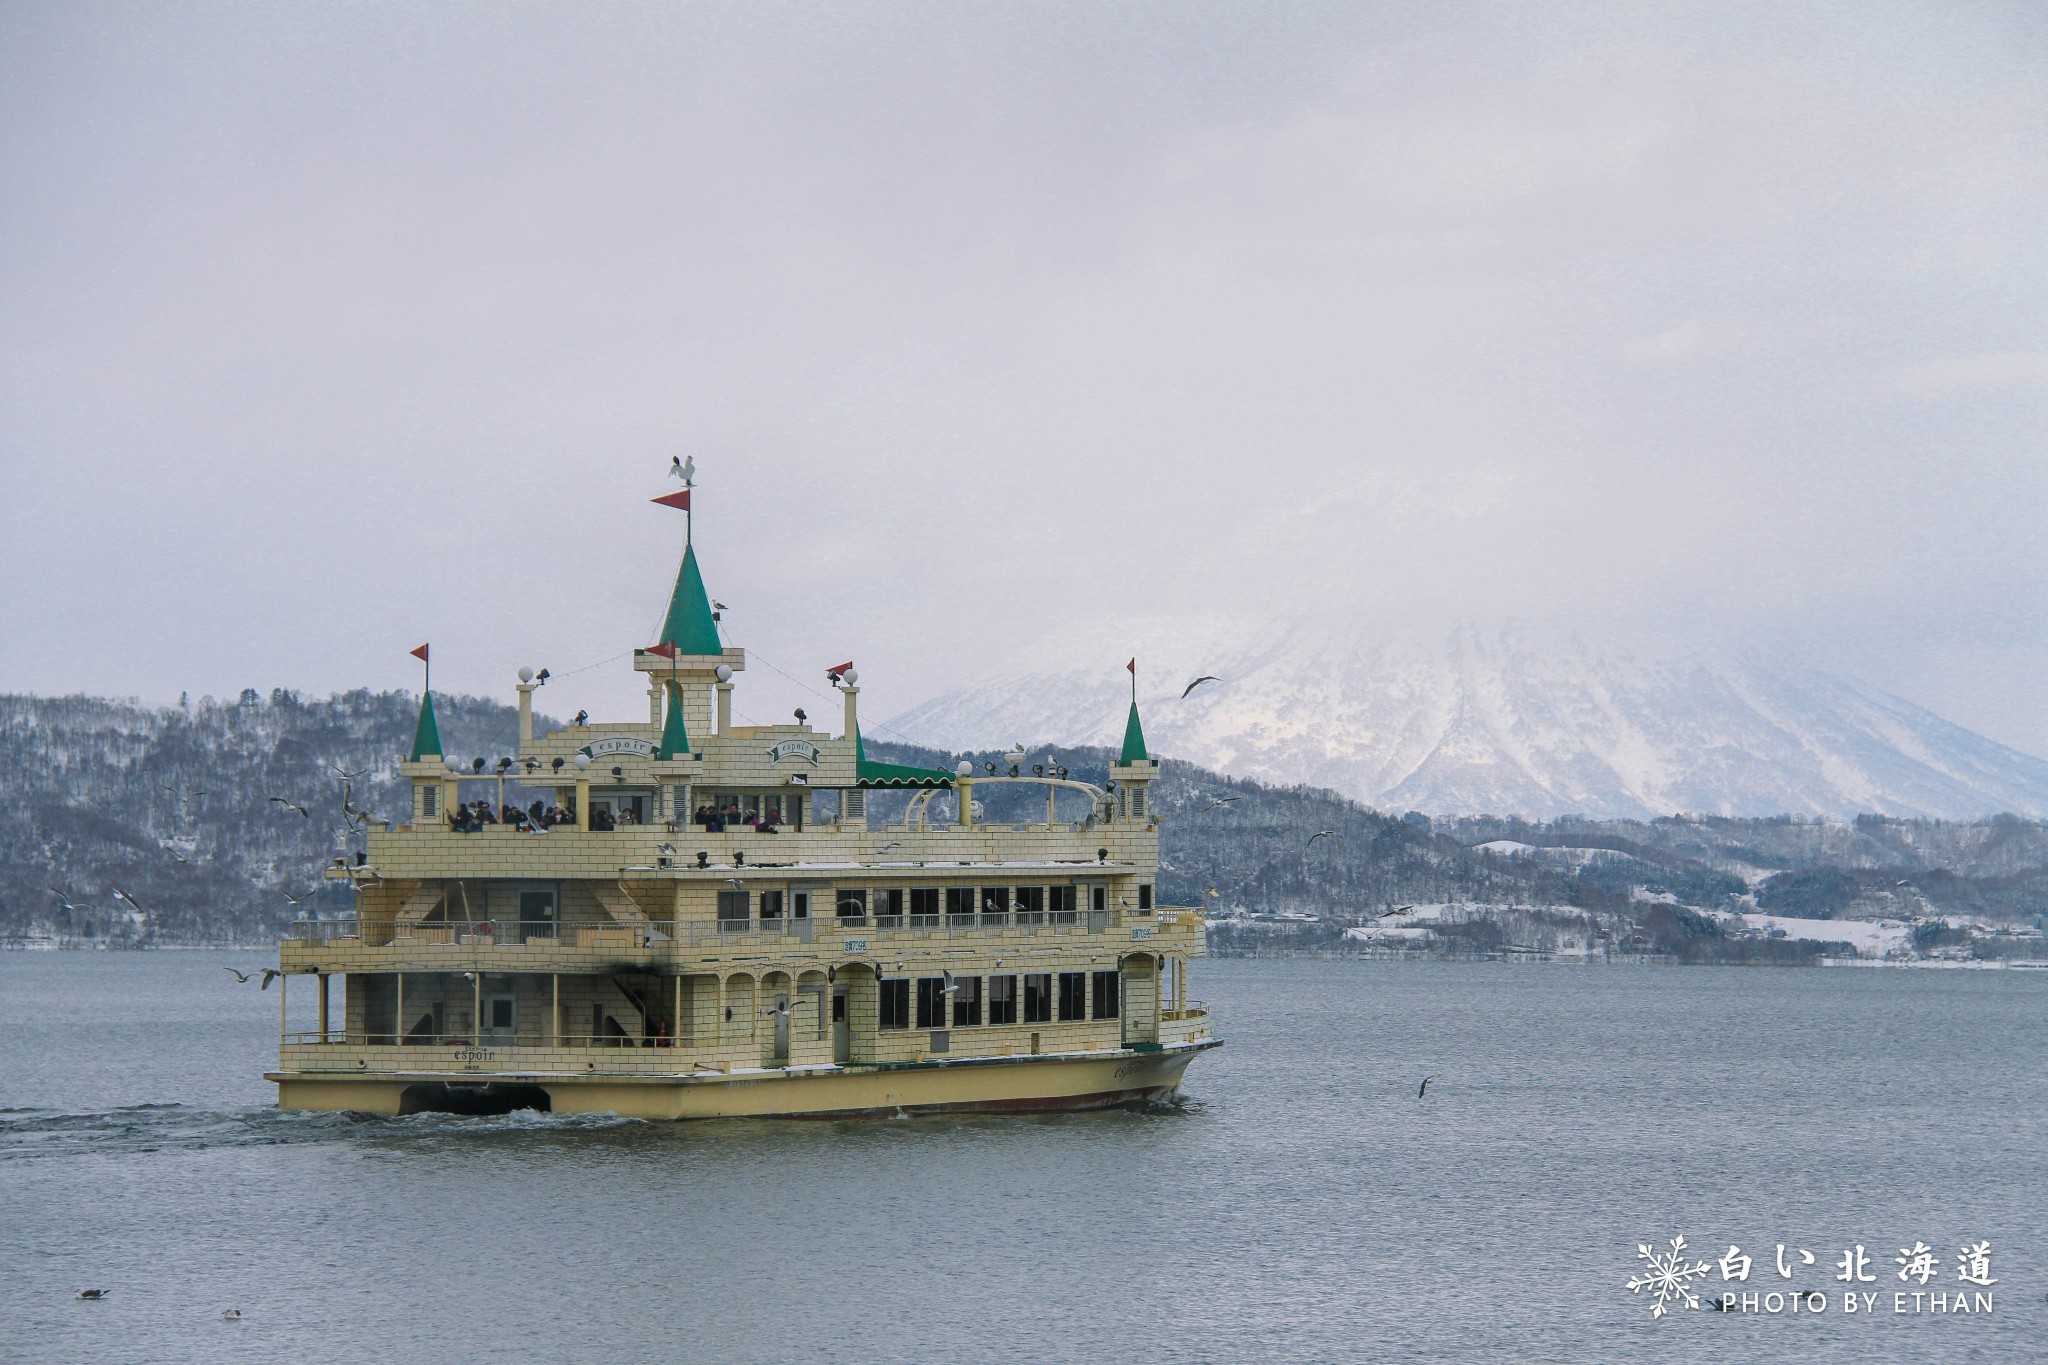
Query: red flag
[[1133, 666], [679, 501], [664, 649], [420, 653], [835, 672]]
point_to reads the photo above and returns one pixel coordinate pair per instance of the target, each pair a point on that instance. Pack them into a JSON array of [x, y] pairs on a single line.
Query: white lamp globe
[[581, 761], [850, 677], [964, 769], [526, 675], [723, 673]]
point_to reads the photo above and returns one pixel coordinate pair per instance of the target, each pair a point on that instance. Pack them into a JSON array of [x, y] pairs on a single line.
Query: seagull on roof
[[291, 805], [1207, 677]]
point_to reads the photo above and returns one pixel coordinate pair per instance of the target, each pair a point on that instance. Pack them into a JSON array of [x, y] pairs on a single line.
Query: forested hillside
[[170, 806]]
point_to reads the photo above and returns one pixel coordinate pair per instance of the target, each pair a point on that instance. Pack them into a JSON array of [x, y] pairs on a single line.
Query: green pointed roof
[[426, 737], [1134, 739], [688, 625], [675, 739]]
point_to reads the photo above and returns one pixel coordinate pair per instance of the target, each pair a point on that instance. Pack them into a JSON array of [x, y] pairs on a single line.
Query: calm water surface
[[1300, 1204]]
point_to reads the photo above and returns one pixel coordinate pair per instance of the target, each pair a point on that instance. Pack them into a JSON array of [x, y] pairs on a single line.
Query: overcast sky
[[326, 330]]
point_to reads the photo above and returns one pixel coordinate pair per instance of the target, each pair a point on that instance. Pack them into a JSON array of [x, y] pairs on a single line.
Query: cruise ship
[[700, 919]]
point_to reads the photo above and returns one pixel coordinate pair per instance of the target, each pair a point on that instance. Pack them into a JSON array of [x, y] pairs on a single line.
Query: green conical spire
[[426, 737], [689, 626], [675, 739], [1134, 739]]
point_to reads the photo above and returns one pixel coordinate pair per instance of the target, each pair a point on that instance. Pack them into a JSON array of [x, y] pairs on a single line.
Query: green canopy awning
[[869, 773]]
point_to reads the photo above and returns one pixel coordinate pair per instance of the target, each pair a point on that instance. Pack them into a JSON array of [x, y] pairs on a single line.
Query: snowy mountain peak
[[1514, 718]]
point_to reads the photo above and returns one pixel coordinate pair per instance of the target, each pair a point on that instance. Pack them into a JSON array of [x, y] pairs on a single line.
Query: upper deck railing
[[484, 933]]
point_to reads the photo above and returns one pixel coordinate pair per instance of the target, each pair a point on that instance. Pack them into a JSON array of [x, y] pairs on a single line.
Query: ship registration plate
[[856, 945], [1140, 934]]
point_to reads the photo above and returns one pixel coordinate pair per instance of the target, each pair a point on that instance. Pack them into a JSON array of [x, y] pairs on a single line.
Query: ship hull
[[990, 1085]]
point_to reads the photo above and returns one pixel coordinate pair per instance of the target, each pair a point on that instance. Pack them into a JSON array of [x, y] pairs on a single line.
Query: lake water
[[1300, 1204]]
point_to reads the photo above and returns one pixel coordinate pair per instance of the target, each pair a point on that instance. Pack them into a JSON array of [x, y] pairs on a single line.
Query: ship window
[[430, 800], [1073, 995], [852, 902], [498, 1010], [853, 804], [966, 1001], [1138, 802], [1107, 995], [1002, 1000], [931, 1002], [924, 900], [732, 907], [889, 901], [1061, 899], [959, 900], [799, 905], [895, 1002], [1144, 895], [1098, 898], [771, 905], [1030, 900], [1037, 997], [995, 900]]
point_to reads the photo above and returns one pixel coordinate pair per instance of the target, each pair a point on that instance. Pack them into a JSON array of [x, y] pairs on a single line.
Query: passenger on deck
[[484, 815], [601, 818], [536, 814]]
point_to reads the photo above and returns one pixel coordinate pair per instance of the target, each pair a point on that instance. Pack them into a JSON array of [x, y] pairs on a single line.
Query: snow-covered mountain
[[1525, 720]]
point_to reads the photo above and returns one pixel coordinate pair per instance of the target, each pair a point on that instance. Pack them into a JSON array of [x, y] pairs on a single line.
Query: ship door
[[781, 1030], [842, 1028]]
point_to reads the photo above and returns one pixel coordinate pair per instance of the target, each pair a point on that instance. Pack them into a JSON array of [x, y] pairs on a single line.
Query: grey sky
[[327, 330]]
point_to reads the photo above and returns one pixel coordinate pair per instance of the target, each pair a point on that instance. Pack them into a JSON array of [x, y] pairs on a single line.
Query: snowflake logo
[[1667, 1277]]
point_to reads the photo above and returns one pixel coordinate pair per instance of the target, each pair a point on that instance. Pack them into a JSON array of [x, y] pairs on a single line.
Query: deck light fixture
[[703, 858], [1101, 855], [540, 679], [476, 765], [557, 764], [582, 718], [503, 764]]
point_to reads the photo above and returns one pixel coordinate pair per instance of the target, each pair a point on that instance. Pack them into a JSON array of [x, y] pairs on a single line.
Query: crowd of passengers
[[468, 817], [718, 819]]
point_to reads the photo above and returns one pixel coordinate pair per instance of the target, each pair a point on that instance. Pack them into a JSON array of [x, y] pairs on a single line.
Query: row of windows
[[858, 902], [961, 1001]]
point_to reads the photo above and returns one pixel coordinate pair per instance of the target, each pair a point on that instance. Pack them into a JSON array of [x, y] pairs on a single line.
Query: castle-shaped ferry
[[704, 921]]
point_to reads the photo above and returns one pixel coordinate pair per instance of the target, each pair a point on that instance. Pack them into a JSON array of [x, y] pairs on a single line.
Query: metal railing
[[492, 933]]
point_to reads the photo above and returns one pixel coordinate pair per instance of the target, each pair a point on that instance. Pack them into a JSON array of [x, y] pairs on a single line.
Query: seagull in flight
[[133, 904], [64, 900], [290, 899], [1319, 834], [93, 1293], [1425, 1085], [1219, 802], [184, 797], [1207, 677], [686, 470], [291, 805], [242, 978], [1402, 911]]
